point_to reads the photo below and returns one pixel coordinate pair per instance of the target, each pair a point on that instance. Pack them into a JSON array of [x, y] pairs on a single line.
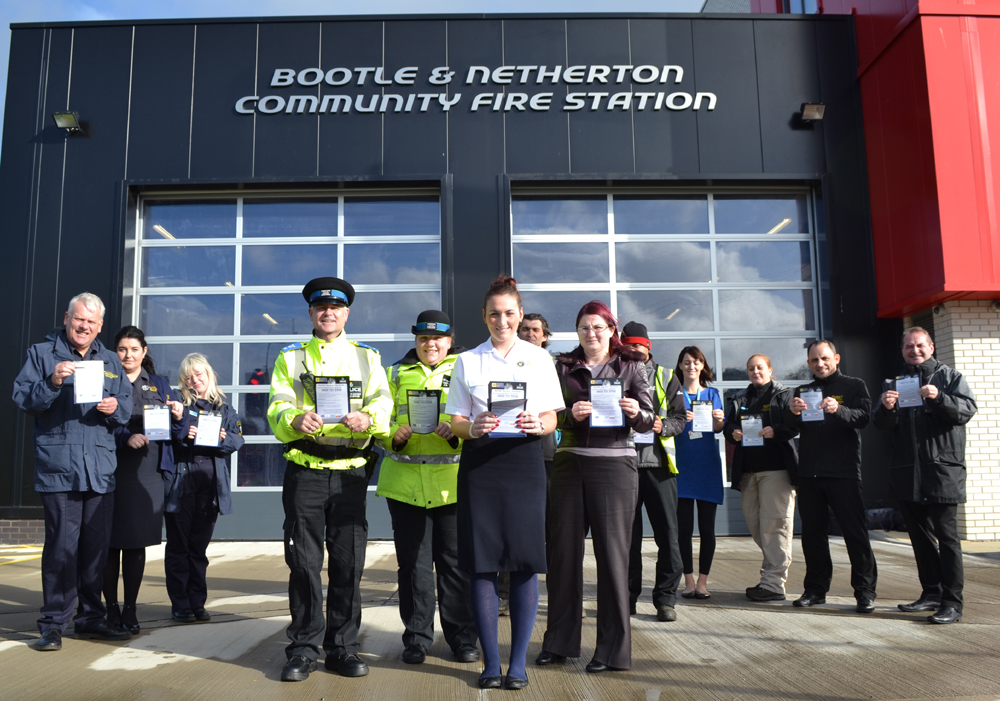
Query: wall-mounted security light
[[70, 121], [813, 111]]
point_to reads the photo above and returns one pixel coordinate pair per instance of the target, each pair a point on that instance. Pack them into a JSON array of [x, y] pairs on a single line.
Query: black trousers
[[324, 506], [706, 534], [658, 493], [77, 534], [817, 496], [185, 556], [599, 493], [938, 550], [427, 539]]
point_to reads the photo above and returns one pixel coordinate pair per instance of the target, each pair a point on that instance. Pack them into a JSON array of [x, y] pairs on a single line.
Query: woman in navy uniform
[[501, 480], [198, 490], [138, 515]]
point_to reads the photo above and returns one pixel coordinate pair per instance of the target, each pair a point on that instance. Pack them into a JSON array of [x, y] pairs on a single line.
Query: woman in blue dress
[[699, 479]]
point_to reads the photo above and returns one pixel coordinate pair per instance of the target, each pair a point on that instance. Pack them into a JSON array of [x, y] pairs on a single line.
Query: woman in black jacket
[[198, 489], [594, 484], [765, 475]]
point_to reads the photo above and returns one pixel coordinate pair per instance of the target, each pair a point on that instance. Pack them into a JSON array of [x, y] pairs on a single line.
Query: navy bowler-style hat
[[432, 323], [328, 290]]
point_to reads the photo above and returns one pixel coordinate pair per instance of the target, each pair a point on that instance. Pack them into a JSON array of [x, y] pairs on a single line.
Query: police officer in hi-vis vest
[[329, 400], [419, 477], [657, 482]]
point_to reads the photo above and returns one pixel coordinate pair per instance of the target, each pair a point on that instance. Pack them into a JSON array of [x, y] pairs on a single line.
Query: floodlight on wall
[[70, 121], [813, 111]]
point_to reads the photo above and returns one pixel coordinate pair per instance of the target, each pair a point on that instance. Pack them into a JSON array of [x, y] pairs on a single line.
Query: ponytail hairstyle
[[502, 286], [136, 333], [193, 362]]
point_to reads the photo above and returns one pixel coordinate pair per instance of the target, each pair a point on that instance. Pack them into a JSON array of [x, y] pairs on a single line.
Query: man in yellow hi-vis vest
[[329, 400], [657, 483]]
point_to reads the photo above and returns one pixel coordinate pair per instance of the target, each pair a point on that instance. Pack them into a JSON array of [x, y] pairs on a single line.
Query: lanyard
[[688, 398]]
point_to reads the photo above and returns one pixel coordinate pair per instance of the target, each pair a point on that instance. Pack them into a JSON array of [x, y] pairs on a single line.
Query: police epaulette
[[365, 345], [291, 347]]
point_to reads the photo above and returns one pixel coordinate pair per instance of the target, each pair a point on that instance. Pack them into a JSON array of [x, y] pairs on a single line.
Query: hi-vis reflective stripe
[[424, 459], [667, 443]]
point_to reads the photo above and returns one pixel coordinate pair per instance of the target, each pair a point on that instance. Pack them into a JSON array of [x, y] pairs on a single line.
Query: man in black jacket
[[829, 476], [657, 482], [927, 472]]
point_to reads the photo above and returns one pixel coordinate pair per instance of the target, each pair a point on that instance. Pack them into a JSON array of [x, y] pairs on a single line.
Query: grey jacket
[[74, 443]]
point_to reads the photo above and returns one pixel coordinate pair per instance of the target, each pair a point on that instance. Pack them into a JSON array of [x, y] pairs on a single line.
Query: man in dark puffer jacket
[[927, 472]]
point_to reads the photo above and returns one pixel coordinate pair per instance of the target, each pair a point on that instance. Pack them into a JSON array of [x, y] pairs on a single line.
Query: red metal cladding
[[930, 84]]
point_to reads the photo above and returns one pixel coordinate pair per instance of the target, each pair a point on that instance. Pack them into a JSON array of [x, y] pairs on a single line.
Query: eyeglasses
[[587, 329]]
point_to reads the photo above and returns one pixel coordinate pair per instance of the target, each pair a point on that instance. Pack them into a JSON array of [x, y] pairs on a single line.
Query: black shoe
[[114, 616], [595, 667], [297, 669], [184, 616], [101, 631], [200, 614], [759, 593], [666, 614], [810, 599], [50, 640], [924, 603], [546, 658], [490, 682], [866, 604], [128, 621], [947, 614], [467, 653], [510, 682], [503, 610], [414, 654], [346, 666]]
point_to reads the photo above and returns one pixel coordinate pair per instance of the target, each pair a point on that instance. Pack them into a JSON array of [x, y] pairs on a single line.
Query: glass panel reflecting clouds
[[286, 314], [257, 362], [667, 310], [561, 262], [661, 215], [168, 357], [389, 312], [763, 261], [766, 310], [188, 266], [260, 465], [413, 264], [560, 308], [563, 215], [288, 265], [188, 315], [289, 217], [666, 350], [761, 214], [788, 357], [205, 219], [377, 216], [684, 261]]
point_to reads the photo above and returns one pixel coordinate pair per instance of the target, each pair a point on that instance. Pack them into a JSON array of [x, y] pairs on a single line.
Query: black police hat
[[432, 323], [328, 290]]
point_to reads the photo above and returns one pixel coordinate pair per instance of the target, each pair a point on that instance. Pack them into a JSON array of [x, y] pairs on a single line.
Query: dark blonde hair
[[193, 362], [760, 355]]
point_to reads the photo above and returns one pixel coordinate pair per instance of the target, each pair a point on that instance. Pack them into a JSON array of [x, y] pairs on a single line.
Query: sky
[[12, 11]]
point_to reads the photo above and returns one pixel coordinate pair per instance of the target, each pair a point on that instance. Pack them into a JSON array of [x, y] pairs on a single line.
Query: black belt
[[328, 452]]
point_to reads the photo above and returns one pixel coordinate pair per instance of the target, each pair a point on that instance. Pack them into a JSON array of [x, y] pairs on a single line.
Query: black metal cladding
[[157, 99]]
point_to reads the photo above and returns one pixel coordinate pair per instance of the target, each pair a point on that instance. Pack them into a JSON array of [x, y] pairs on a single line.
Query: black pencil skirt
[[501, 505]]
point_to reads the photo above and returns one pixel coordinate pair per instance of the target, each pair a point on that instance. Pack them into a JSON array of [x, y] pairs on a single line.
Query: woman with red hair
[[594, 484]]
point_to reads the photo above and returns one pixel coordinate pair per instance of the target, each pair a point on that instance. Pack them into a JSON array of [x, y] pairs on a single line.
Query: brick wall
[[967, 337], [22, 532]]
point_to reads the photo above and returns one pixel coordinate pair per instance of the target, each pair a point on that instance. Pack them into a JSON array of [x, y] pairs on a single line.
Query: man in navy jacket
[[74, 469]]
